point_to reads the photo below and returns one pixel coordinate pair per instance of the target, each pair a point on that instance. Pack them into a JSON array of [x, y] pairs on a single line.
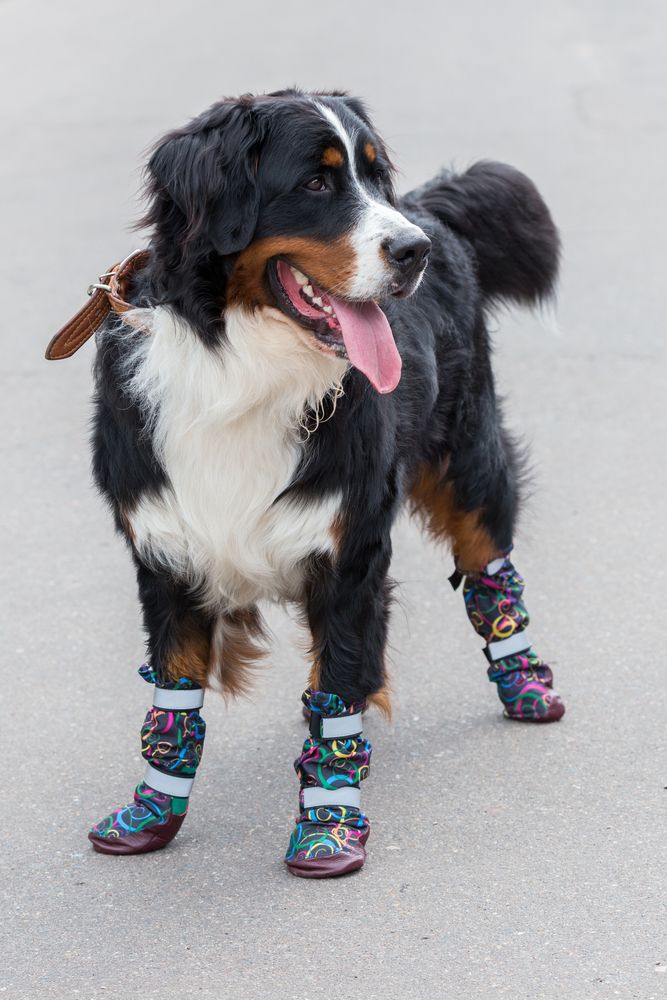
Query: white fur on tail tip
[[226, 428]]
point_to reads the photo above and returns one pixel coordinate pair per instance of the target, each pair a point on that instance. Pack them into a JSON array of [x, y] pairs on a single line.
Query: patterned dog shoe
[[525, 687], [331, 831], [494, 603], [147, 824], [172, 741], [327, 842]]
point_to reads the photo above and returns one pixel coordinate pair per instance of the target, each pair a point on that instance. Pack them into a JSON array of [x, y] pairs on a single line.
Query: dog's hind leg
[[470, 502], [494, 602], [172, 736]]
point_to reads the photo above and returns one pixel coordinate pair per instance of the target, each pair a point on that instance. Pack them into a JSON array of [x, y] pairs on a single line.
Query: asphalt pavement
[[505, 860]]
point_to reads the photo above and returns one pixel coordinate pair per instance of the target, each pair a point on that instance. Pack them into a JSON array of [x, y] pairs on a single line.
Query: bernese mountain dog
[[298, 355]]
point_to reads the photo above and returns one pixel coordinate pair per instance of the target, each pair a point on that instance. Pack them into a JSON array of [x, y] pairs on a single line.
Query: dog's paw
[[147, 824], [328, 842], [527, 693]]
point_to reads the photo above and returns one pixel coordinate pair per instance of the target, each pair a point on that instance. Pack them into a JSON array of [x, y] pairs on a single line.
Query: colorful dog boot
[[172, 740], [331, 830], [495, 607]]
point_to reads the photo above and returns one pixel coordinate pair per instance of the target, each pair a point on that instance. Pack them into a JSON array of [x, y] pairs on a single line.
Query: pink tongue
[[369, 343]]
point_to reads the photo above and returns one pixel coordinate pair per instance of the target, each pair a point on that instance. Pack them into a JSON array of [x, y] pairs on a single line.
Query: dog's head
[[291, 195]]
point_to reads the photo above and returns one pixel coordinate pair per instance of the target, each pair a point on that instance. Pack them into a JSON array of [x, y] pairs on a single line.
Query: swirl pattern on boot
[[146, 824], [172, 742], [495, 607], [329, 840]]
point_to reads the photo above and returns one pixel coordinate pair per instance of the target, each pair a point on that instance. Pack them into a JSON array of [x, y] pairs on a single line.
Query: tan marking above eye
[[332, 157], [371, 152]]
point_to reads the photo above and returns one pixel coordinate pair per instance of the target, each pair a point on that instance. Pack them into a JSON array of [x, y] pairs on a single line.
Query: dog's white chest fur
[[226, 429]]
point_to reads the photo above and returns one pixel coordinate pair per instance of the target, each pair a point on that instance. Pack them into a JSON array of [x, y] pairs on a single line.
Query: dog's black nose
[[408, 252]]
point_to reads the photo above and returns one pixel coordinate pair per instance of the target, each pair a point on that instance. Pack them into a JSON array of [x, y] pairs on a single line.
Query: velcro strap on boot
[[517, 643], [495, 566], [183, 700], [489, 570], [313, 797], [168, 784], [336, 727]]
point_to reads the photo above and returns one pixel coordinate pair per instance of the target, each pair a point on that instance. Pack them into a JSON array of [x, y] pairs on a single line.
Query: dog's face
[[296, 190]]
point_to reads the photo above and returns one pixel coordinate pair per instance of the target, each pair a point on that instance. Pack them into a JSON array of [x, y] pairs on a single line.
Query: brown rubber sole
[[556, 712], [330, 867], [142, 842]]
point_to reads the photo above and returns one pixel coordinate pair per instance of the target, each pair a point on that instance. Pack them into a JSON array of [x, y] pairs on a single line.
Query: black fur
[[231, 177], [498, 210]]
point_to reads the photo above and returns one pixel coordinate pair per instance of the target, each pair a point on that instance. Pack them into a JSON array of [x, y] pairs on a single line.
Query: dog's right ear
[[202, 181]]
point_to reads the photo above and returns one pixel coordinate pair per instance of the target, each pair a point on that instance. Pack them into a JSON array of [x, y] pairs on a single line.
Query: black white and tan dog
[[296, 356]]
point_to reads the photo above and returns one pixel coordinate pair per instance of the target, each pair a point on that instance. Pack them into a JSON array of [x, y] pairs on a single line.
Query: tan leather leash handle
[[104, 297]]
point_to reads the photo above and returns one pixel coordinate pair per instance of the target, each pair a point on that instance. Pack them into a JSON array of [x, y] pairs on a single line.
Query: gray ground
[[504, 860]]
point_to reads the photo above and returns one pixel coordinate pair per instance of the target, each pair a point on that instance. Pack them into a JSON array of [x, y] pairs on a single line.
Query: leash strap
[[107, 294]]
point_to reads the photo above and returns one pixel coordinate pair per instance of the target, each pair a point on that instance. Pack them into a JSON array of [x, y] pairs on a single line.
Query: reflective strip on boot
[[178, 701], [313, 797], [495, 566], [498, 650], [177, 709], [168, 784], [335, 727]]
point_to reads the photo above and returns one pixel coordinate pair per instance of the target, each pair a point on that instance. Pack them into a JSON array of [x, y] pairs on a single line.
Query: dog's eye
[[379, 175], [317, 183]]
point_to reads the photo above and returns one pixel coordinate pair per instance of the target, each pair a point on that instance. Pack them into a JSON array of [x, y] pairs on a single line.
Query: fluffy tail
[[502, 214]]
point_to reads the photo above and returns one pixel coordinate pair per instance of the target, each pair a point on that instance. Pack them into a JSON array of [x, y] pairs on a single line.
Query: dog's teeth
[[301, 278], [328, 310], [309, 290], [318, 302]]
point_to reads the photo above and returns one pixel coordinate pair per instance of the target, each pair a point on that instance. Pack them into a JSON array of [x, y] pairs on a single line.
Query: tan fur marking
[[332, 157], [379, 699], [242, 637], [337, 533], [196, 658], [471, 543], [126, 525], [314, 675], [331, 265], [371, 152], [382, 701], [191, 657]]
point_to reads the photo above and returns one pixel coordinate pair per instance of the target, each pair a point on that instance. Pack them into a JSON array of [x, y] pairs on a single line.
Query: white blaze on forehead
[[377, 223], [347, 138]]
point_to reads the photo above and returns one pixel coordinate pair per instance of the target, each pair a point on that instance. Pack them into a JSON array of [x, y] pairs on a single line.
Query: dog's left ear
[[202, 179]]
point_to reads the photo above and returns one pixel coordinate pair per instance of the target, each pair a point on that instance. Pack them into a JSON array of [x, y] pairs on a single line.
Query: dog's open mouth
[[358, 331]]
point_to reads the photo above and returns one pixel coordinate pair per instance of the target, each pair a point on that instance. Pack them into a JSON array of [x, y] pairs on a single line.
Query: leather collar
[[109, 294]]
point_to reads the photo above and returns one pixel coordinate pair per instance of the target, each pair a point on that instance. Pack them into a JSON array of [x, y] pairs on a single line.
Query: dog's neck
[[261, 370], [192, 282]]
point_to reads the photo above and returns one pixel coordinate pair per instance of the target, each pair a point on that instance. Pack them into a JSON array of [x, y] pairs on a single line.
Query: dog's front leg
[[172, 736], [347, 609]]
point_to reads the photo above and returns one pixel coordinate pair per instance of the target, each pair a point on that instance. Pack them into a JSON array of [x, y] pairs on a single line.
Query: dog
[[297, 356]]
